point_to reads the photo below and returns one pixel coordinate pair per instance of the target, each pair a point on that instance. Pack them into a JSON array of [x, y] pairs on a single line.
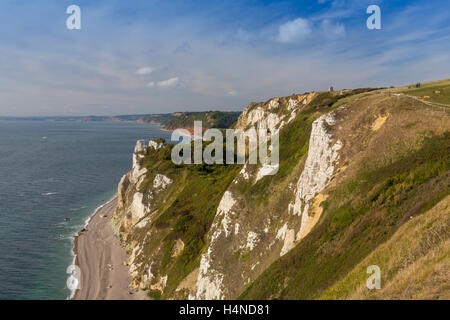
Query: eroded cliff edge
[[220, 232]]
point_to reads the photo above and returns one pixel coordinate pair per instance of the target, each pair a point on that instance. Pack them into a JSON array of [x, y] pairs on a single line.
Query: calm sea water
[[50, 171]]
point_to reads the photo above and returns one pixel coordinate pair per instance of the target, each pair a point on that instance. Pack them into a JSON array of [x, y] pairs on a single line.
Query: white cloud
[[144, 71], [300, 29], [172, 82], [295, 30], [169, 83]]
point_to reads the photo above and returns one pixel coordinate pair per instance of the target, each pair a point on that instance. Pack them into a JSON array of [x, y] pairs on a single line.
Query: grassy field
[[434, 92]]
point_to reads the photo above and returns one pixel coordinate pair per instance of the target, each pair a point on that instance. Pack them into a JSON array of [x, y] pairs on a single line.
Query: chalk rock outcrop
[[156, 144], [261, 117], [210, 278], [133, 204], [319, 168], [161, 182], [140, 146]]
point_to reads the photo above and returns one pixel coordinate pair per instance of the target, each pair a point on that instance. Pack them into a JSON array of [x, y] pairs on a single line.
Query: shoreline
[[74, 250], [100, 257]]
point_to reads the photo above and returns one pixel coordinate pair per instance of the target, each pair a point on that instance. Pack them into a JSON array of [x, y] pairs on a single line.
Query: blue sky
[[163, 56]]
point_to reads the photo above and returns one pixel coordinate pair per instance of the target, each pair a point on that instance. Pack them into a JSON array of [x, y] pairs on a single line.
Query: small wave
[[49, 194], [75, 229], [77, 209], [63, 237]]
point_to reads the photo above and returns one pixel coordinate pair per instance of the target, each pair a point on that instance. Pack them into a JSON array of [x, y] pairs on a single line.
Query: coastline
[[100, 257]]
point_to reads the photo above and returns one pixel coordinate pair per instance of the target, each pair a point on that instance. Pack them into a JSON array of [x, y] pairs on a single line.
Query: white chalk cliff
[[209, 282], [243, 238], [319, 168]]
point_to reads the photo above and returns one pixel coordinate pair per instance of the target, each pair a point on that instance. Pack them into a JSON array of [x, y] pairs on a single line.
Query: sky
[[154, 56]]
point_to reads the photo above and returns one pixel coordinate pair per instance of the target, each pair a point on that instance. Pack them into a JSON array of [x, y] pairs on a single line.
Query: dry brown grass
[[401, 128], [415, 262]]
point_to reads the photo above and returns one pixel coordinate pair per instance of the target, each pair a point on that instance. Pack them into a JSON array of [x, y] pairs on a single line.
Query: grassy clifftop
[[434, 92]]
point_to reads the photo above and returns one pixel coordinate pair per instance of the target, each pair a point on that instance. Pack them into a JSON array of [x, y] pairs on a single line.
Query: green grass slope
[[414, 263]]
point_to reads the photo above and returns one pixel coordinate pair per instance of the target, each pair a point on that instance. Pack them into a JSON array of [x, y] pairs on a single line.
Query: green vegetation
[[211, 119], [357, 218], [439, 94], [412, 262], [154, 294], [186, 211]]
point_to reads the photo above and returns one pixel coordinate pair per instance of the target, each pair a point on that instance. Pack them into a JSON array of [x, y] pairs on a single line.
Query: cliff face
[[273, 114], [345, 184], [240, 247]]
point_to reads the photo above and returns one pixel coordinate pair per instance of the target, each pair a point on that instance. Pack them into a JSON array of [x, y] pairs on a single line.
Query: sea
[[53, 176]]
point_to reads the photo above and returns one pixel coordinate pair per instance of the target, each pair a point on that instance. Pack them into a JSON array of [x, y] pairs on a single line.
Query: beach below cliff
[[100, 257]]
